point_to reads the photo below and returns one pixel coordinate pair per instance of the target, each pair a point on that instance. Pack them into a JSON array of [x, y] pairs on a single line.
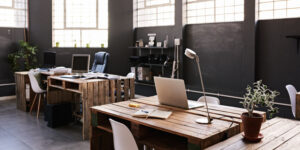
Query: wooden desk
[[177, 132], [22, 81], [216, 111], [297, 106], [279, 133], [91, 92]]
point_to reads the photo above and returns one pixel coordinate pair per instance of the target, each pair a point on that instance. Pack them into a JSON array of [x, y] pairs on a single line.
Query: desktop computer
[[49, 59]]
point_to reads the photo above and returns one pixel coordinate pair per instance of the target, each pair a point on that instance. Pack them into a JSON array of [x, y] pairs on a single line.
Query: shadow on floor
[[21, 131]]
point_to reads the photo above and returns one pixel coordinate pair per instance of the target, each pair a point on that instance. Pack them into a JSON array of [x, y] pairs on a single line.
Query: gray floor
[[22, 131]]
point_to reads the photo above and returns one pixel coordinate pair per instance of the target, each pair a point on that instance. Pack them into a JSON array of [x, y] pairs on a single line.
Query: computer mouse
[[106, 75]]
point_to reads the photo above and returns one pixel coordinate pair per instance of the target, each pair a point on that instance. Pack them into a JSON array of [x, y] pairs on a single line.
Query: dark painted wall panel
[[220, 48], [277, 60]]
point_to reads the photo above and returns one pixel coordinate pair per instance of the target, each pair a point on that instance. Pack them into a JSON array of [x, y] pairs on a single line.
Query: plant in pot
[[25, 58], [257, 96]]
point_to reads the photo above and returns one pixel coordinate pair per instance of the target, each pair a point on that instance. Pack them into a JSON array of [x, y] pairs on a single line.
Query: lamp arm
[[202, 84]]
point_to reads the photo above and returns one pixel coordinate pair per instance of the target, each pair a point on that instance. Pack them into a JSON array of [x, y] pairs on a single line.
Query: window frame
[[135, 14], [13, 8], [80, 29]]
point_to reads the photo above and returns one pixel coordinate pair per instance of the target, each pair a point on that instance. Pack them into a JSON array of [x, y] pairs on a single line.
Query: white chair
[[210, 100], [123, 138], [292, 93], [130, 75], [36, 89]]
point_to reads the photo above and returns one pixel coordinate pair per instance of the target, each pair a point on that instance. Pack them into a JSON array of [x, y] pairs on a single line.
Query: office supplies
[[152, 113], [80, 63], [172, 92], [192, 55], [134, 105]]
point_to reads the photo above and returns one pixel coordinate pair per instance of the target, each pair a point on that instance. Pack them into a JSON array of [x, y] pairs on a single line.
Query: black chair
[[100, 62]]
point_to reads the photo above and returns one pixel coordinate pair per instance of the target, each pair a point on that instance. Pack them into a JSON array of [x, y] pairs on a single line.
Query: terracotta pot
[[252, 125]]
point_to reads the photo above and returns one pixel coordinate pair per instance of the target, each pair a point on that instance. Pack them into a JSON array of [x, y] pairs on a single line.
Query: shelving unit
[[149, 51]]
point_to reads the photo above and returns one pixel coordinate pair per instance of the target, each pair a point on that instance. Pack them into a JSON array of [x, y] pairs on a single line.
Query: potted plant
[[25, 58], [257, 96]]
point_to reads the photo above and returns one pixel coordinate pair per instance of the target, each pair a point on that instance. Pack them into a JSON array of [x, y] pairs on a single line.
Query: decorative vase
[[252, 126]]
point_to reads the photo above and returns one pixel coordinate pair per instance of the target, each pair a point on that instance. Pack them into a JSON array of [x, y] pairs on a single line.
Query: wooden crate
[[91, 92]]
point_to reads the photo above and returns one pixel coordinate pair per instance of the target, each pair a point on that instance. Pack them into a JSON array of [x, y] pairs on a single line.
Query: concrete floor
[[22, 131]]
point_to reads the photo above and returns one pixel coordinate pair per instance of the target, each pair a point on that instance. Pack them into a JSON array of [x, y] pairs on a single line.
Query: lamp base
[[204, 121]]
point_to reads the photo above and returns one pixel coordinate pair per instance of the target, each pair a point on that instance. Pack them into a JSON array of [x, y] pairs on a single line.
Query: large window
[[149, 13], [275, 9], [13, 13], [209, 11], [80, 23]]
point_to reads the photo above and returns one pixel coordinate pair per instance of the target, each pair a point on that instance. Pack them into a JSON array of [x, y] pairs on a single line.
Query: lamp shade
[[190, 53]]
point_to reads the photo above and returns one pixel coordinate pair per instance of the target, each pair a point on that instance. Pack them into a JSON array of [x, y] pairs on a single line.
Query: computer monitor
[[49, 59], [80, 63]]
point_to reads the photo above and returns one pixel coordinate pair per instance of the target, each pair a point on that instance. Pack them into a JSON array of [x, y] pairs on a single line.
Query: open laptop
[[172, 92]]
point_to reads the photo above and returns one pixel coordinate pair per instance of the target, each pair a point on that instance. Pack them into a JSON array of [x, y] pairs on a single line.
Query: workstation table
[[179, 131], [279, 134], [91, 92], [25, 98]]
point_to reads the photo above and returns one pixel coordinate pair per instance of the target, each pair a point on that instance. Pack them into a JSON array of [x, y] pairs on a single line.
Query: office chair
[[33, 75], [123, 138], [100, 62], [210, 100], [292, 93]]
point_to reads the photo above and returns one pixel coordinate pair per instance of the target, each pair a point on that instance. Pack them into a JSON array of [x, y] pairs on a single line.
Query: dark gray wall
[[227, 50], [9, 38], [277, 60], [120, 34]]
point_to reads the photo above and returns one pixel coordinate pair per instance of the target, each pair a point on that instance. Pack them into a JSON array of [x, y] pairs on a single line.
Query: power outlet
[[177, 42]]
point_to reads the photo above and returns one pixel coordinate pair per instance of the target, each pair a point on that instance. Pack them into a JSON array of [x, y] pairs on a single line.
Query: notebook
[[152, 113]]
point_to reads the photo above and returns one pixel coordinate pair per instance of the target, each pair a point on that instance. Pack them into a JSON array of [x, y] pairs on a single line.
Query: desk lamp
[[192, 55]]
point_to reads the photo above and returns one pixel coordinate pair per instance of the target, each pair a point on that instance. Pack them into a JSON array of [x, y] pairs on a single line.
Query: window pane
[[80, 23], [81, 13], [13, 14], [149, 13], [276, 9], [208, 11]]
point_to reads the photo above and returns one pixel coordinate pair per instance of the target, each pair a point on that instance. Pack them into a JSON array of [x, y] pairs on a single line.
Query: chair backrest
[[34, 82], [130, 75], [123, 138], [292, 93], [210, 100], [100, 62]]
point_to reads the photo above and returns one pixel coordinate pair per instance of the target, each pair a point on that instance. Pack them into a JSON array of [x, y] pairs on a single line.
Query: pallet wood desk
[[23, 83], [279, 134], [180, 131], [92, 92], [216, 111]]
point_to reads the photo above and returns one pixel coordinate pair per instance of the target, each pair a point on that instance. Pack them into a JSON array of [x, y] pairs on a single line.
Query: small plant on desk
[[257, 96]]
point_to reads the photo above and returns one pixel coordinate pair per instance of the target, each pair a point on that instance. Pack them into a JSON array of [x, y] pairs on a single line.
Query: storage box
[[132, 70], [143, 72]]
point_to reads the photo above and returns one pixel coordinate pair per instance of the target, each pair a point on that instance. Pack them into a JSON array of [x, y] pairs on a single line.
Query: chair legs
[[33, 103], [38, 106]]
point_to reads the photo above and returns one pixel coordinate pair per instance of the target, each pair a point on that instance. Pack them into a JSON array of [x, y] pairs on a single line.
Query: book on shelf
[[152, 113]]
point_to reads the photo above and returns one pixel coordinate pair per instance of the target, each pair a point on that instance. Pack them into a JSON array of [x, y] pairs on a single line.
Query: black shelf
[[159, 48]]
